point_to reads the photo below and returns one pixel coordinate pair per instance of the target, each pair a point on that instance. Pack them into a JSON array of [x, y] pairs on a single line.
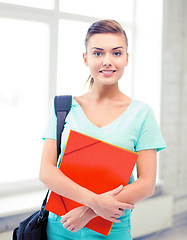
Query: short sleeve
[[150, 136], [50, 130]]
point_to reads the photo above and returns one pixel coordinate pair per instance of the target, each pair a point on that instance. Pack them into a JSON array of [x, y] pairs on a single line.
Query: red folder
[[95, 165]]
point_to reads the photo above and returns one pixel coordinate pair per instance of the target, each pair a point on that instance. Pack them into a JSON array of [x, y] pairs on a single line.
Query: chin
[[109, 82]]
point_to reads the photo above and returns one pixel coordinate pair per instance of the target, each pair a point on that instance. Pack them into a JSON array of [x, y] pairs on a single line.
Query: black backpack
[[34, 227]]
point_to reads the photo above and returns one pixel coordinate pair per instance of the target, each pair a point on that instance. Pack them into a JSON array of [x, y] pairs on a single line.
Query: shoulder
[[83, 101], [142, 111], [141, 107]]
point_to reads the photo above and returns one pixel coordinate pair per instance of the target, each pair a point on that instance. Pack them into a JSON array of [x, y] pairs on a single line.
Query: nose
[[107, 61]]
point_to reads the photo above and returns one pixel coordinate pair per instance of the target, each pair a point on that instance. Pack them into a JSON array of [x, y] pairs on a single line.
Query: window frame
[[51, 18]]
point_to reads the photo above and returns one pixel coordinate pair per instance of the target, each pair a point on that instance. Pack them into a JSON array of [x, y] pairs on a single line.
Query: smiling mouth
[[107, 71]]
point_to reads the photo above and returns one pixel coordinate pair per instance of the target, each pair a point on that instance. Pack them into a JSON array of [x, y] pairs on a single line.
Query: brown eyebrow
[[98, 48], [101, 49], [117, 48]]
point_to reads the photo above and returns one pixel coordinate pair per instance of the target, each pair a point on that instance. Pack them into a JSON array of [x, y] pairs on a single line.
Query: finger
[[126, 206], [66, 224], [117, 215], [70, 228], [63, 220], [114, 220], [120, 212]]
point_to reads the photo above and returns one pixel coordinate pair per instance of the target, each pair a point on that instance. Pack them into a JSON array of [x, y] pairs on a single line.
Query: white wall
[[173, 164]]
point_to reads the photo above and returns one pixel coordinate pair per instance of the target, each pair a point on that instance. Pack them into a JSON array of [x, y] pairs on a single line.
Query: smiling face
[[106, 57]]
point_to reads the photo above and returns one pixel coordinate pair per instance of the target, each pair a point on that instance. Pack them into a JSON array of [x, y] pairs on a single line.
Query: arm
[[54, 179], [144, 186], [104, 205], [77, 218]]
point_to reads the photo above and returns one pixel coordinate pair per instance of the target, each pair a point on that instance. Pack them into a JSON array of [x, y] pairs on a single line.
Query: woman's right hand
[[106, 205]]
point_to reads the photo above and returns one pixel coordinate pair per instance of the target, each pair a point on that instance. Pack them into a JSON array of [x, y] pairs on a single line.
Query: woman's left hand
[[77, 218]]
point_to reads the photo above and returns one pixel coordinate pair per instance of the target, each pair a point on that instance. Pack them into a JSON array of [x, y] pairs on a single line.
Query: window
[[47, 4], [72, 73], [24, 62], [41, 42], [120, 10]]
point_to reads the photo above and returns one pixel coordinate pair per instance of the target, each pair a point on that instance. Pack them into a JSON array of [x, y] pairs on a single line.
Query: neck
[[101, 92]]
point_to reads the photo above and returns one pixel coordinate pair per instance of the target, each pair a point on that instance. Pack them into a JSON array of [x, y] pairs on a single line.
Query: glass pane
[[47, 4], [23, 78], [148, 52], [123, 10], [72, 73]]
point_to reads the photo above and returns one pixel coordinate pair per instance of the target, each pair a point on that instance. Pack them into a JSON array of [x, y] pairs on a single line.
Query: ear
[[85, 59], [127, 59]]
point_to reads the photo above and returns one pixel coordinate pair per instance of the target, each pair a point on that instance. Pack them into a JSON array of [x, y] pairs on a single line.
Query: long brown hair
[[103, 26]]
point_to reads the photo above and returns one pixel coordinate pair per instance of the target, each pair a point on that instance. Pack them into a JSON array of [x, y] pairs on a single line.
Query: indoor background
[[41, 47]]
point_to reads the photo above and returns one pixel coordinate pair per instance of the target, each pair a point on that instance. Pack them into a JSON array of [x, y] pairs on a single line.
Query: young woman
[[107, 114]]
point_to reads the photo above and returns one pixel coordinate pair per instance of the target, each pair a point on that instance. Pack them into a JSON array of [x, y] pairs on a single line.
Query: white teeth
[[107, 71]]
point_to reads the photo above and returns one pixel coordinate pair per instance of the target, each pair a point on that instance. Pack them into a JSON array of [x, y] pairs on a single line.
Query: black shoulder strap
[[62, 105]]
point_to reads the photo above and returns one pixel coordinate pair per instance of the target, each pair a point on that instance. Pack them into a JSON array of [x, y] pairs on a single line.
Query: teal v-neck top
[[135, 129]]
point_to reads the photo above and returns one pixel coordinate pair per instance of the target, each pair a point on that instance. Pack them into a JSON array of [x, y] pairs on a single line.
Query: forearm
[[144, 186], [136, 191], [104, 205], [55, 180], [77, 218]]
